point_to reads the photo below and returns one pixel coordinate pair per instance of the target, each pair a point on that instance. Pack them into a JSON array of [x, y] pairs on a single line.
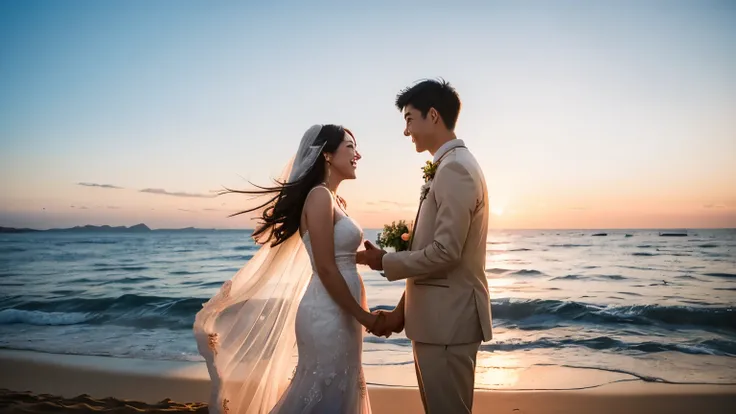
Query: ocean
[[658, 308]]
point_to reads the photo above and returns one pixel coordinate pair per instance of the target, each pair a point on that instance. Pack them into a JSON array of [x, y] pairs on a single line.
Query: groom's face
[[417, 127]]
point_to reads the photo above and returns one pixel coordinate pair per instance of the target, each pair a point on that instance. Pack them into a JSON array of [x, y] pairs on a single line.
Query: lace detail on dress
[[212, 342], [329, 374]]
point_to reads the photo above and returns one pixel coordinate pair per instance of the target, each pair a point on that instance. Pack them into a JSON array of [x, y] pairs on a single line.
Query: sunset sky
[[584, 114]]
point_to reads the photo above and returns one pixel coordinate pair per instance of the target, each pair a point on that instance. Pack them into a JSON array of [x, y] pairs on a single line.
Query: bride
[[302, 289]]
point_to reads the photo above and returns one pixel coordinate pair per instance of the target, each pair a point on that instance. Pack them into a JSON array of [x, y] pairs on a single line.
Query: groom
[[445, 308]]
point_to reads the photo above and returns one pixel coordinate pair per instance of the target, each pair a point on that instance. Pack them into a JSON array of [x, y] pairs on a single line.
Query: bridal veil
[[246, 331]]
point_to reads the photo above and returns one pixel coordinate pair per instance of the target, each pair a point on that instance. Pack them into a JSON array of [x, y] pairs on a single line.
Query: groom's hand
[[372, 256], [379, 328], [395, 320], [382, 328], [392, 322]]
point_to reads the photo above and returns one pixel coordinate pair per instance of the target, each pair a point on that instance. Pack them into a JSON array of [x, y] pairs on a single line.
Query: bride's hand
[[371, 321]]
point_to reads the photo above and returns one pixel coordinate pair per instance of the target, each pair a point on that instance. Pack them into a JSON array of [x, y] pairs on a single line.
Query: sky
[[583, 114]]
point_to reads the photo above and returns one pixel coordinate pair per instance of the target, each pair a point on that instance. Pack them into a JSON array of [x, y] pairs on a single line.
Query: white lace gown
[[329, 377]]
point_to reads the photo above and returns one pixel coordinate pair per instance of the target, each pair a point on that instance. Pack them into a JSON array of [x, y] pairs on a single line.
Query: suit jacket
[[446, 299]]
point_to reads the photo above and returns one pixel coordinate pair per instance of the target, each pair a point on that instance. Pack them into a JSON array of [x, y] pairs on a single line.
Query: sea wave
[[178, 313], [513, 311], [600, 343], [527, 272], [126, 310], [723, 275], [39, 318], [590, 277]]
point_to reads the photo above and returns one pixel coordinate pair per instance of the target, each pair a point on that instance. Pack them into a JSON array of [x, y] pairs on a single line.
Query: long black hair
[[283, 210]]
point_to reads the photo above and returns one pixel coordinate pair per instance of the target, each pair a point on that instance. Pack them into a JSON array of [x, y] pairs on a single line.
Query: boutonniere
[[429, 170]]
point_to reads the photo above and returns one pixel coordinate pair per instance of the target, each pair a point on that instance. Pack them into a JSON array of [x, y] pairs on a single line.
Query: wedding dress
[[276, 306], [329, 375], [247, 331]]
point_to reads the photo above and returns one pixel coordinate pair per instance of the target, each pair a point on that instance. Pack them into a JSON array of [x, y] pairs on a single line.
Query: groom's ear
[[433, 115]]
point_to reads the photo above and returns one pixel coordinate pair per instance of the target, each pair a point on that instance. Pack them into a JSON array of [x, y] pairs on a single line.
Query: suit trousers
[[446, 376]]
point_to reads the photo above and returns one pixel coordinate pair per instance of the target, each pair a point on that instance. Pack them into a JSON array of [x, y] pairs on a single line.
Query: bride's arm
[[319, 212]]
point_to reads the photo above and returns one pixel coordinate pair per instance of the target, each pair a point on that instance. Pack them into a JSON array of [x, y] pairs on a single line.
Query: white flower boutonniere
[[425, 190]]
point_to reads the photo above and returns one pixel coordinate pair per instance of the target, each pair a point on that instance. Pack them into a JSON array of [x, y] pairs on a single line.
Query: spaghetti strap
[[336, 201], [320, 186], [316, 187], [302, 235]]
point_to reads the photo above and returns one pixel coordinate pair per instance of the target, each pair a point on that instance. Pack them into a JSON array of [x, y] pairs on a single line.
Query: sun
[[498, 204]]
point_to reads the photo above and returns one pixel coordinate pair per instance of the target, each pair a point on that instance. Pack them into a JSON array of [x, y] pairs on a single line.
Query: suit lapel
[[416, 221], [416, 218]]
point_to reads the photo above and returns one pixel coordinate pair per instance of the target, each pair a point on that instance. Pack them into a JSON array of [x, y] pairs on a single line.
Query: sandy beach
[[47, 383]]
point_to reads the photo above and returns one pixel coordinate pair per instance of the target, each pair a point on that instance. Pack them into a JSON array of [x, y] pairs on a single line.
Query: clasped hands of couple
[[386, 322]]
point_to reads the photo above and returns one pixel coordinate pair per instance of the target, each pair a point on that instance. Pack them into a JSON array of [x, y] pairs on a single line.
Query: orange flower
[[405, 237]]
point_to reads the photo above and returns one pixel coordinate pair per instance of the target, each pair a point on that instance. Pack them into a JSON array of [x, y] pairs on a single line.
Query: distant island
[[82, 229], [138, 228]]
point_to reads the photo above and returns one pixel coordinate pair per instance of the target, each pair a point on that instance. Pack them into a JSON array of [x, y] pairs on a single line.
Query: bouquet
[[395, 236]]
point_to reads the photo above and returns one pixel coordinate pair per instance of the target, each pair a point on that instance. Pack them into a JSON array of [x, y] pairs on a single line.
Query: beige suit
[[447, 306]]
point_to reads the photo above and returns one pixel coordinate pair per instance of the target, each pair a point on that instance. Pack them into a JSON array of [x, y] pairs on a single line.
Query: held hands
[[372, 256], [379, 323], [387, 323]]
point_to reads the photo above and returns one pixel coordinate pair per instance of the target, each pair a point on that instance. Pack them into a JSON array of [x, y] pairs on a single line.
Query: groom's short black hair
[[437, 94]]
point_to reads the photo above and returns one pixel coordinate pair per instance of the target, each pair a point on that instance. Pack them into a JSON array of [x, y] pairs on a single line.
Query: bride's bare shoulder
[[318, 199]]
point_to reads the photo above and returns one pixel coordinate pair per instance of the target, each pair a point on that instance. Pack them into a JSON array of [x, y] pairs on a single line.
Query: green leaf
[[391, 236]]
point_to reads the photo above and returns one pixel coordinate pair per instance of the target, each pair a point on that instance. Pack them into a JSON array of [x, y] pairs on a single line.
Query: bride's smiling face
[[344, 160]]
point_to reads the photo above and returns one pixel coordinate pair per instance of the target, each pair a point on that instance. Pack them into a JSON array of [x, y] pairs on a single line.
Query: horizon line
[[490, 229]]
